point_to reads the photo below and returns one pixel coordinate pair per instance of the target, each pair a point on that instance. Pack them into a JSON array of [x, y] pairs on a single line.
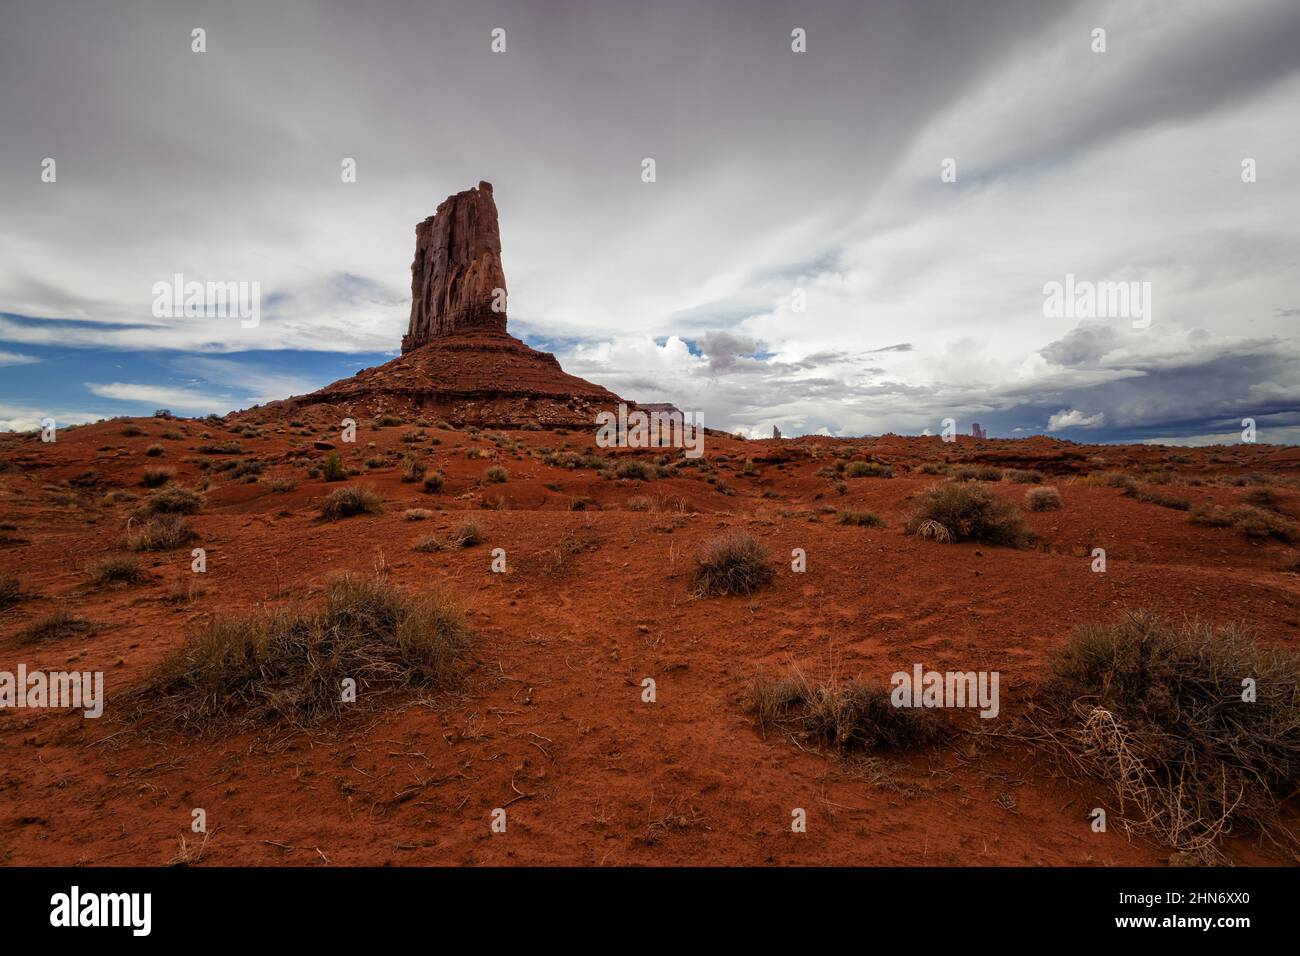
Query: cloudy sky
[[799, 259]]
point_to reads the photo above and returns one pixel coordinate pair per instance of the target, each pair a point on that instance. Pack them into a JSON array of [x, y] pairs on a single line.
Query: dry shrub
[[637, 470], [466, 534], [554, 559], [868, 469], [350, 501], [1261, 498], [118, 569], [53, 627], [1045, 498], [156, 477], [417, 514], [11, 591], [289, 663], [1252, 522], [433, 483], [495, 474], [977, 473], [172, 500], [412, 470], [734, 563], [865, 519], [1155, 498], [161, 533], [1021, 477], [933, 530], [1156, 709], [851, 716], [967, 513], [155, 451]]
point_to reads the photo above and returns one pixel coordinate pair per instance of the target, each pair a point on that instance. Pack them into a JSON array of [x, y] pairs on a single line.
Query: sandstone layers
[[458, 362], [456, 278]]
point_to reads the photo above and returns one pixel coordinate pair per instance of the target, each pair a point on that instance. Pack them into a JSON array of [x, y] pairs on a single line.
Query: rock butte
[[458, 362]]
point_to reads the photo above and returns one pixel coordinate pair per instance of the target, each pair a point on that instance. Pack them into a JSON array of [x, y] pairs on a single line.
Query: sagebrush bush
[[868, 469], [11, 591], [466, 534], [967, 512], [53, 627], [433, 483], [637, 470], [1045, 498], [865, 519], [159, 533], [852, 716], [349, 502], [1252, 522], [290, 663], [1156, 707], [156, 477], [734, 563], [495, 474], [117, 569], [977, 473], [172, 500]]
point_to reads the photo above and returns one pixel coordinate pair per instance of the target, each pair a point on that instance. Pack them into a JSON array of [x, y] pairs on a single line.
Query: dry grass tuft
[[864, 519], [851, 716], [161, 533], [118, 569], [11, 591], [1045, 498], [1254, 523], [53, 627], [350, 501], [291, 663], [734, 563]]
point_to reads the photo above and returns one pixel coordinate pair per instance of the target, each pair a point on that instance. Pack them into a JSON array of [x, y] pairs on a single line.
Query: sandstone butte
[[458, 362]]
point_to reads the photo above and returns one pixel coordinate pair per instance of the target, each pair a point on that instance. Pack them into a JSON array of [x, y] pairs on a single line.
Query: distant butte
[[458, 362]]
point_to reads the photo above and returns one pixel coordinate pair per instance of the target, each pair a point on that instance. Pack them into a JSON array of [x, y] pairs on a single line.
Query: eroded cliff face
[[457, 282]]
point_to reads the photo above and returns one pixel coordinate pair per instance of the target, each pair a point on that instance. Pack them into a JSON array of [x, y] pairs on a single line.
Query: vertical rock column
[[457, 269]]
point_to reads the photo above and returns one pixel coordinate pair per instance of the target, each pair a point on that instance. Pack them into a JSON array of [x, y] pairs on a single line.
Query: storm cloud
[[798, 260]]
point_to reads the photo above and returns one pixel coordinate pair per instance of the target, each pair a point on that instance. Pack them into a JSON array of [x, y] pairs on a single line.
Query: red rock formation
[[458, 362], [457, 272]]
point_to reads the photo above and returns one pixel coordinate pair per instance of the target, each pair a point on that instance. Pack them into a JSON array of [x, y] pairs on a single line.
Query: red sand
[[550, 722]]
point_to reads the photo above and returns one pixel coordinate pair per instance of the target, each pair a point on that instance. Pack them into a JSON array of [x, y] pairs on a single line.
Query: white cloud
[[1073, 418], [162, 396]]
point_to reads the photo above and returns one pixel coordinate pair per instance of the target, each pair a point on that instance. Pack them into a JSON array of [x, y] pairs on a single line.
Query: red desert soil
[[549, 722]]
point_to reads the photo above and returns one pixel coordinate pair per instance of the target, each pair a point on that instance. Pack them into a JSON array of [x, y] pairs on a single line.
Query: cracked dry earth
[[548, 720]]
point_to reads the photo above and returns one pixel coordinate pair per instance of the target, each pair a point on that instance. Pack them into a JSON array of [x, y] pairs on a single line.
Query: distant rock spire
[[457, 270]]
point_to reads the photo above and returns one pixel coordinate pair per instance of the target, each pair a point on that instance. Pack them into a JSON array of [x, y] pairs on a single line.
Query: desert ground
[[546, 718]]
